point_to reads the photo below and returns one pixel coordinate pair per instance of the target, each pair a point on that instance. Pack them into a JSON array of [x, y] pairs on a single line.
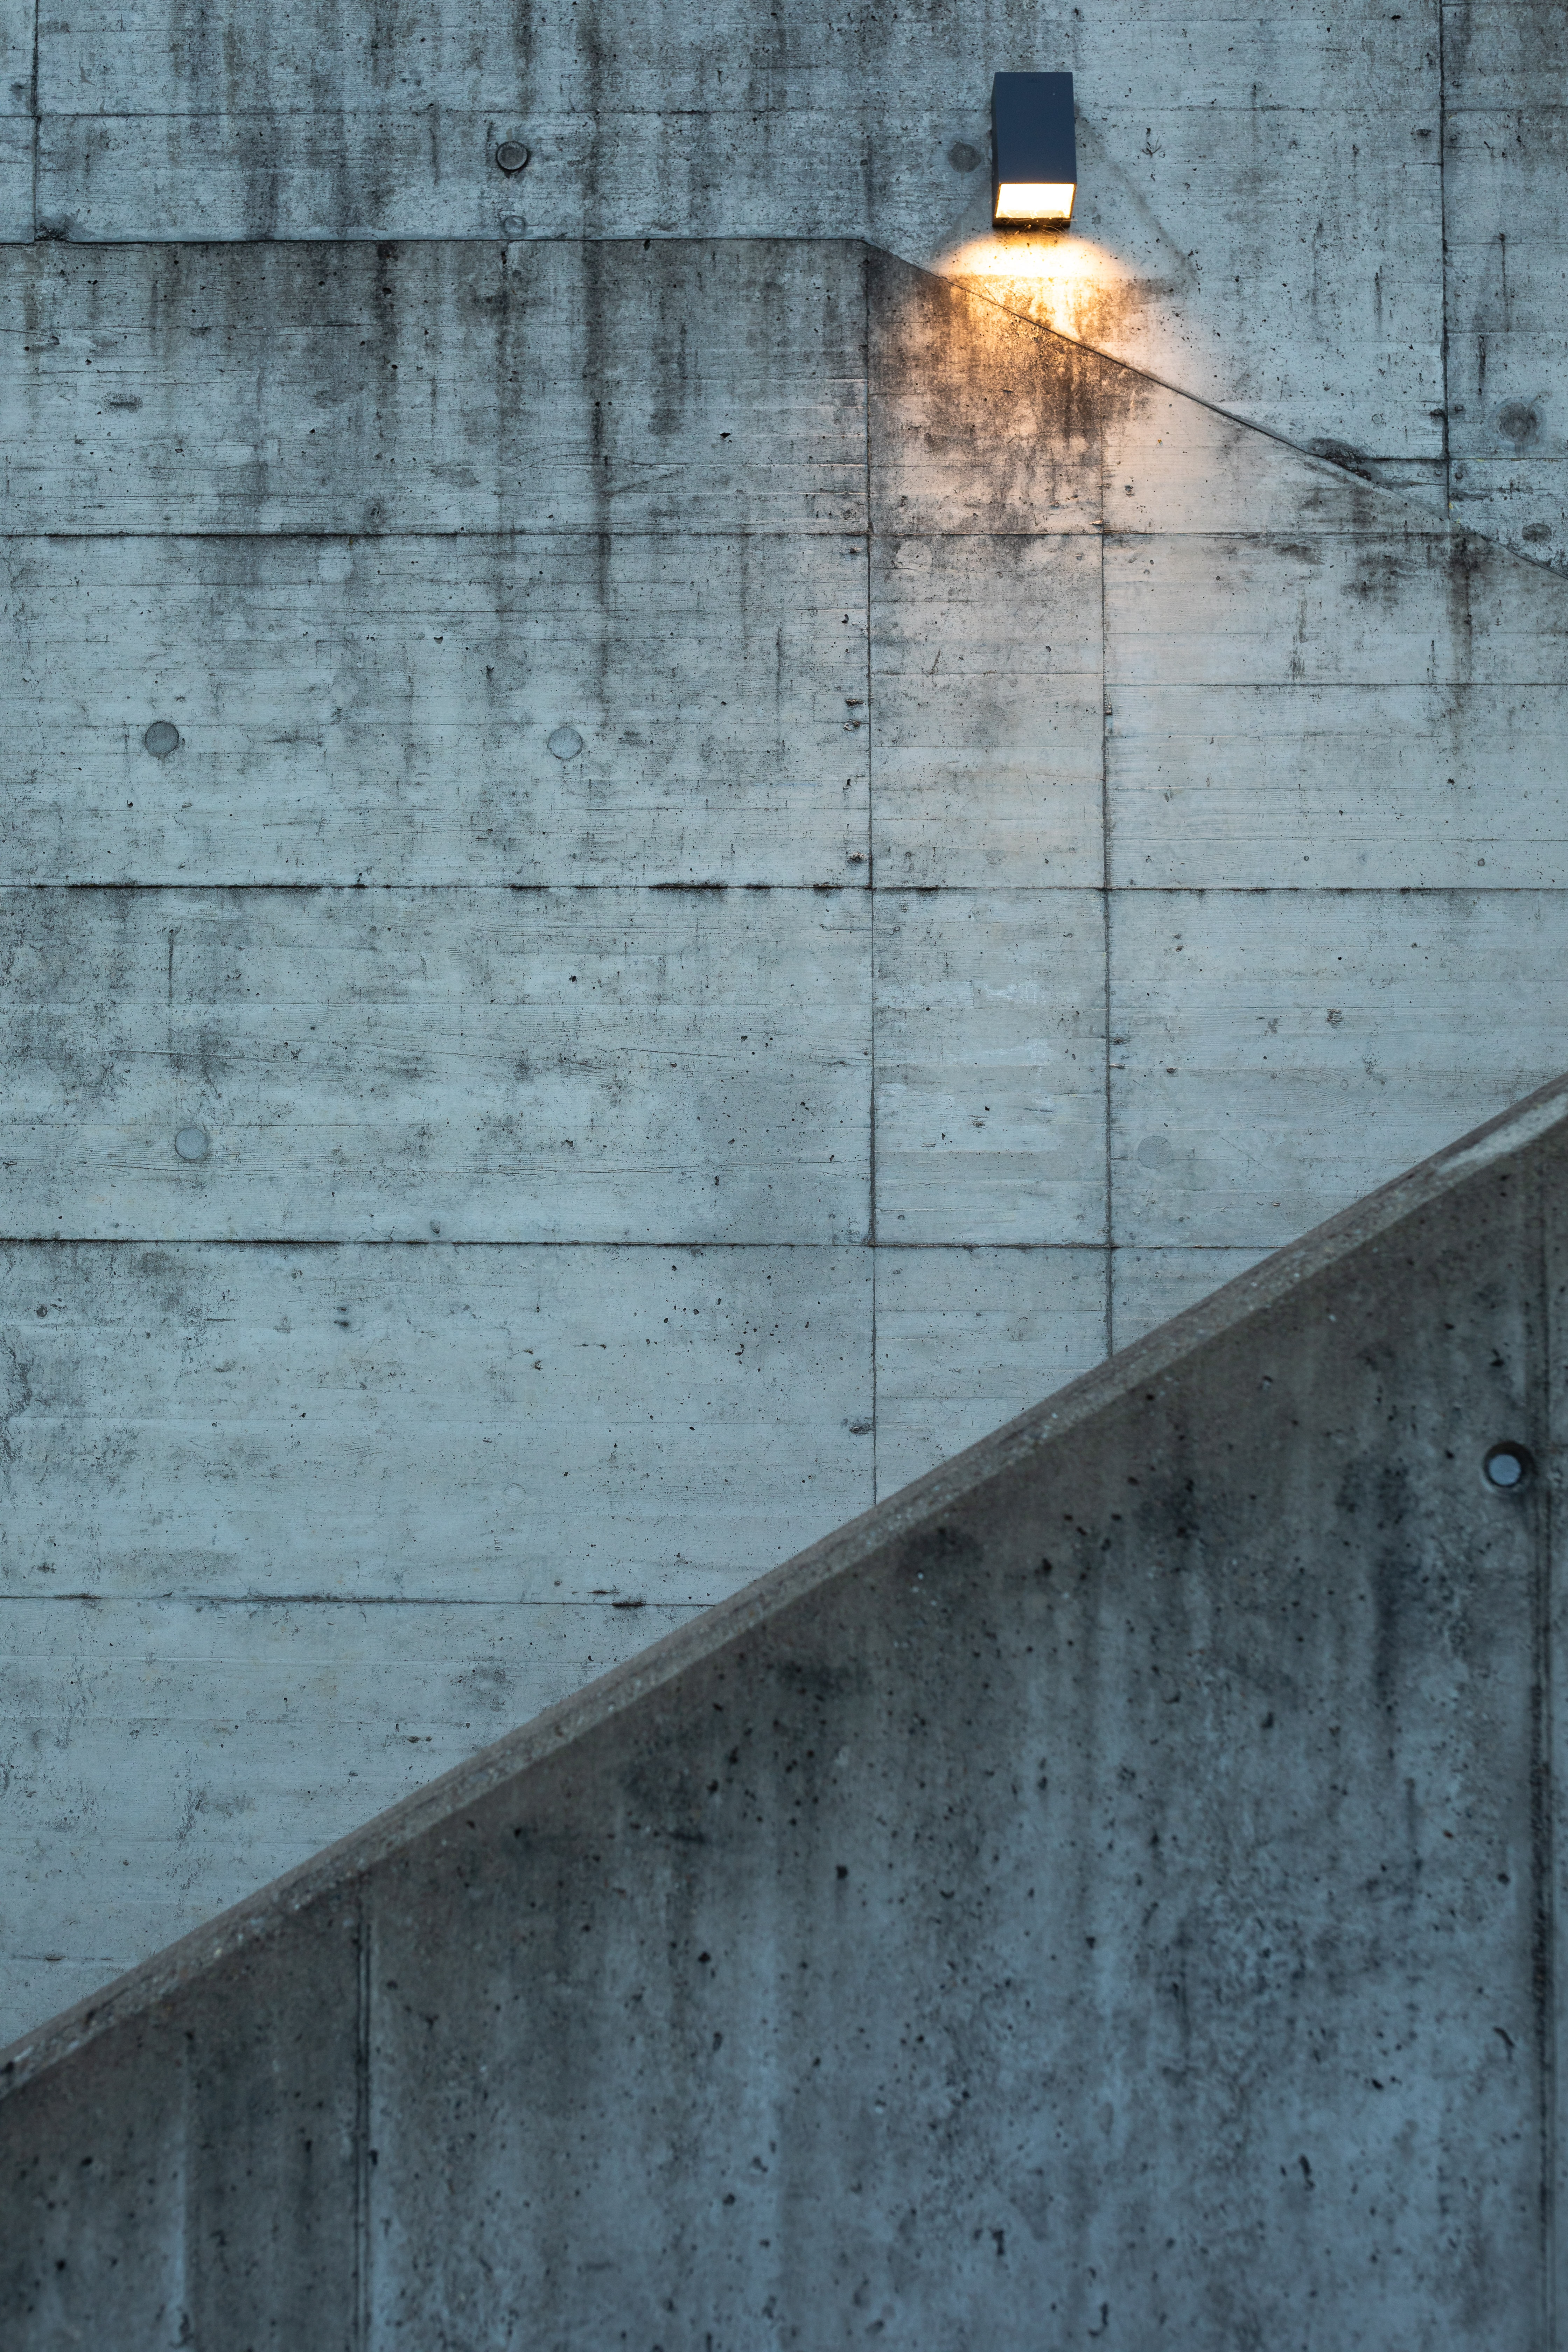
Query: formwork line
[[362, 2250], [870, 855], [1109, 1211], [1546, 1799]]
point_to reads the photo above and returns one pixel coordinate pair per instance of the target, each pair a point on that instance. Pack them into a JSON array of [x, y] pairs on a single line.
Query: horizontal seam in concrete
[[281, 1242], [860, 1243], [1323, 685], [807, 890], [436, 1242], [115, 1599], [478, 534], [75, 1959], [195, 534], [290, 889], [416, 115], [636, 240]]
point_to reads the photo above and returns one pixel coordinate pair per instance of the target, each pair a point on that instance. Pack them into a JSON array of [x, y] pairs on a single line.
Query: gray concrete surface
[[1111, 1890], [1031, 843], [1345, 228]]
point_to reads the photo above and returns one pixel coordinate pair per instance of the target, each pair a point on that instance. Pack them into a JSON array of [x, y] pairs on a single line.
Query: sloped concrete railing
[[1106, 1893]]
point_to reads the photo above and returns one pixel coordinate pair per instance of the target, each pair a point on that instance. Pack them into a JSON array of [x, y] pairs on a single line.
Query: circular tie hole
[[962, 156], [1507, 1466], [565, 743], [512, 225], [161, 738], [192, 1143], [510, 156]]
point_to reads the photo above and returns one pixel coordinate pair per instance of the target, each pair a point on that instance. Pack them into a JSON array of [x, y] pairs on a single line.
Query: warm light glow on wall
[[1056, 279]]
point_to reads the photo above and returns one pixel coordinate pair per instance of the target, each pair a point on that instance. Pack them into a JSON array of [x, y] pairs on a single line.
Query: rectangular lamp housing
[[1033, 151]]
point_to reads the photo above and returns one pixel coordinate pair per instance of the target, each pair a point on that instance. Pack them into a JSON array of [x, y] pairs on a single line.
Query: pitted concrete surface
[[661, 856], [1029, 843], [1110, 1891], [1344, 228]]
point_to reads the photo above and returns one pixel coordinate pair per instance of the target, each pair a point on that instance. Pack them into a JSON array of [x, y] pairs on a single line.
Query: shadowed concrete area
[[1106, 1891]]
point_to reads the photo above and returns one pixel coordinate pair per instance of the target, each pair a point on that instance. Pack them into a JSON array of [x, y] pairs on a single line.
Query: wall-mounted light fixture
[[1033, 151]]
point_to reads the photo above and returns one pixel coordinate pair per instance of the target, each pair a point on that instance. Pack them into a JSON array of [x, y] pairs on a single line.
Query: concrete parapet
[[1107, 1890]]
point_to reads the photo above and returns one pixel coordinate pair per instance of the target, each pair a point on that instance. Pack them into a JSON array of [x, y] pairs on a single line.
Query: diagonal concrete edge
[[1175, 1345], [1436, 513]]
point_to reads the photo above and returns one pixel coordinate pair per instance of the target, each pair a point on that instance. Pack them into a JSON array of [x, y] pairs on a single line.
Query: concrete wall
[[1036, 842], [1344, 227], [1109, 1891]]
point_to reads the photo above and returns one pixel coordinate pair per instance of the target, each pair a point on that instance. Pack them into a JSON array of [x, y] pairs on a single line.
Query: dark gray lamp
[[1033, 151]]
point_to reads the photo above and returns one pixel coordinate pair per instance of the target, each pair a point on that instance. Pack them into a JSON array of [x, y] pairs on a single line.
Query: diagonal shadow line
[[1343, 468]]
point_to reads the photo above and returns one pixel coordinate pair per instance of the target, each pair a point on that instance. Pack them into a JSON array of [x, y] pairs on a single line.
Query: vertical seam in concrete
[[1105, 918], [187, 2268], [870, 844], [1443, 231], [1545, 1798], [33, 109], [362, 2130]]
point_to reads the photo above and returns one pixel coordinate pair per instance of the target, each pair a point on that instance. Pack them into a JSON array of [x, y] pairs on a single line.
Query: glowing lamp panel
[[1020, 201]]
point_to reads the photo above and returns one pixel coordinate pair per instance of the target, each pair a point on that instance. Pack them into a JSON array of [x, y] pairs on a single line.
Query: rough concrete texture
[[759, 856], [1345, 228], [1108, 1892]]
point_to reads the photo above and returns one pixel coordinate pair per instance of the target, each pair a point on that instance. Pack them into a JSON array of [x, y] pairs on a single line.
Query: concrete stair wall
[[1107, 1890]]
